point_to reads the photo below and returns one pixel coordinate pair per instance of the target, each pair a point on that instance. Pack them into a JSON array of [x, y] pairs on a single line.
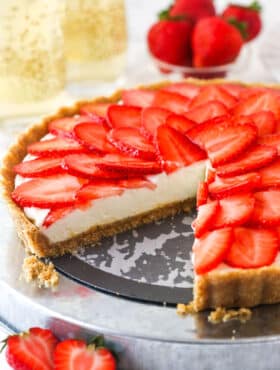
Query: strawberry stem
[[241, 26], [98, 341], [164, 15], [255, 6], [4, 341]]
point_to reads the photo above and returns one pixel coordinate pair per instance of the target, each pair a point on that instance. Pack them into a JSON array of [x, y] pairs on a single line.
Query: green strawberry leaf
[[241, 26], [164, 15], [255, 6]]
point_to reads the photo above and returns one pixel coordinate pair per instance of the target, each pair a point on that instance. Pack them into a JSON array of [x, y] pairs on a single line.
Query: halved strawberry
[[202, 193], [94, 137], [211, 249], [152, 118], [183, 88], [77, 355], [138, 97], [206, 112], [39, 167], [255, 158], [65, 126], [54, 147], [216, 93], [257, 90], [95, 190], [176, 103], [93, 109], [136, 183], [48, 192], [128, 165], [31, 350], [265, 122], [224, 187], [180, 123], [267, 208], [233, 89], [130, 141], [252, 248], [205, 217], [270, 175], [124, 116], [271, 140], [175, 149]]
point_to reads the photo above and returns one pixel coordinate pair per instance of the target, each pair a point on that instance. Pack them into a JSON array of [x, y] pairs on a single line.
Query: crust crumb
[[44, 274], [185, 309], [223, 315]]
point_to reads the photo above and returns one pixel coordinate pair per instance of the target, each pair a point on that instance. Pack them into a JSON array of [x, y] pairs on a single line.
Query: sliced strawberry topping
[[210, 175], [224, 187], [255, 158], [56, 214], [138, 98], [93, 191], [175, 149], [206, 216], [270, 175], [130, 141], [233, 89], [176, 103], [202, 194], [93, 109], [180, 123], [214, 92], [183, 88], [48, 192], [124, 116], [65, 126], [94, 137], [252, 248], [271, 140], [265, 122], [267, 208], [206, 112], [135, 183], [211, 249], [57, 146], [152, 118], [39, 167]]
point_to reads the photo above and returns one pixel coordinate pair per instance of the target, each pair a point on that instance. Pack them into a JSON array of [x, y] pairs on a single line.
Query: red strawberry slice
[[31, 350], [130, 141], [271, 140], [95, 190], [253, 91], [206, 112], [128, 165], [270, 175], [252, 248], [56, 214], [48, 192], [94, 137], [176, 150], [216, 93], [180, 123], [93, 109], [233, 89], [54, 147], [205, 217], [255, 158], [186, 89], [176, 103], [136, 183], [264, 101], [138, 97], [224, 187], [234, 211], [39, 167], [202, 194], [152, 118], [267, 208], [210, 175], [124, 116], [76, 355], [65, 126], [211, 249], [265, 122]]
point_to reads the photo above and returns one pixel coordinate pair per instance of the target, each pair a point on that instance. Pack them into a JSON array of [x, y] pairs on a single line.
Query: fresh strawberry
[[257, 90], [130, 141], [48, 192], [39, 167], [248, 16], [271, 140], [94, 137], [128, 165], [31, 350], [183, 88], [265, 122], [93, 109], [175, 149], [210, 250], [255, 158], [138, 97], [270, 175], [252, 248], [233, 89], [56, 214], [95, 190], [55, 147], [194, 9], [210, 175], [205, 217], [123, 116], [65, 126], [215, 42], [180, 123], [165, 44], [216, 93], [202, 193], [152, 118], [224, 187], [136, 182], [174, 102], [267, 208], [72, 354], [207, 111]]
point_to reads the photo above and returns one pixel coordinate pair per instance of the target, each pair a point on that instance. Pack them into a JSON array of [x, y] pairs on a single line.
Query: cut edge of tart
[[226, 287]]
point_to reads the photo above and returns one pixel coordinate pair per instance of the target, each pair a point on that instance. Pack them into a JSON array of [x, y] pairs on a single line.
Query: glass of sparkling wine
[[95, 39], [32, 60]]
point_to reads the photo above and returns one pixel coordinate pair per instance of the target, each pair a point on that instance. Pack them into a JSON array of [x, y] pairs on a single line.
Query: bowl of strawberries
[[191, 38]]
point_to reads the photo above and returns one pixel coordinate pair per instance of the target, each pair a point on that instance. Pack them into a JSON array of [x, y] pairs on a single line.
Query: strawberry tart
[[109, 165]]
